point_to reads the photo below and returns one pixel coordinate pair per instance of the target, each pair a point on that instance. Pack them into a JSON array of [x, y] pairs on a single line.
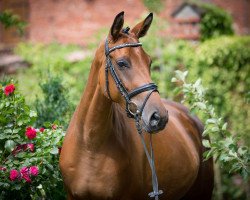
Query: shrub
[[215, 22], [224, 66], [29, 156], [55, 105], [233, 156], [52, 58]]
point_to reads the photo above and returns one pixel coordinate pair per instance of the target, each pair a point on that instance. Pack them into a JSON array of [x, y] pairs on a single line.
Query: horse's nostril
[[155, 119]]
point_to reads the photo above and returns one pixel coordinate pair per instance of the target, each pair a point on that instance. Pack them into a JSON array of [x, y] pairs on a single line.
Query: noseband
[[132, 110]]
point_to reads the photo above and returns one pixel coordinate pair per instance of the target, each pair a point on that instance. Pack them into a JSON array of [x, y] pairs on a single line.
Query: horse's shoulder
[[175, 107]]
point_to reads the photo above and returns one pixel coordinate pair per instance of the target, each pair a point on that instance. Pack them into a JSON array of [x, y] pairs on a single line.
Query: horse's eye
[[122, 64]]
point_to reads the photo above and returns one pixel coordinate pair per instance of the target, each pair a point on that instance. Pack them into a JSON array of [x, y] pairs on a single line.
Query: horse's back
[[202, 187]]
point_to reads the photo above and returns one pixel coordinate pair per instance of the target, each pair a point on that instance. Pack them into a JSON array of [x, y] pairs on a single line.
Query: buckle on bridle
[[132, 109]]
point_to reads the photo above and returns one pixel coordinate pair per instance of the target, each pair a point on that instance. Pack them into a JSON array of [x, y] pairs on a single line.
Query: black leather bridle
[[152, 87], [133, 111]]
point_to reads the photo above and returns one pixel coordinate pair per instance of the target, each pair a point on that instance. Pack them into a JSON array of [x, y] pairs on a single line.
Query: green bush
[[28, 156], [232, 156], [55, 105], [224, 66], [215, 22], [52, 58]]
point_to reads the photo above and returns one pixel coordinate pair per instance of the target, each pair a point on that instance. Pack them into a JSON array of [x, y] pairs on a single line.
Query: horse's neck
[[94, 113]]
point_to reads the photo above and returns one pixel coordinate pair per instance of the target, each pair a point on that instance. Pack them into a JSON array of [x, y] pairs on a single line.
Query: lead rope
[[156, 192]]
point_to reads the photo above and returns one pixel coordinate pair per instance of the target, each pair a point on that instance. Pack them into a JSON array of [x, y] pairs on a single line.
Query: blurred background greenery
[[221, 59]]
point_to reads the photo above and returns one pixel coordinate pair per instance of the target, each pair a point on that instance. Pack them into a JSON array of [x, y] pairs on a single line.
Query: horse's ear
[[117, 26], [141, 28]]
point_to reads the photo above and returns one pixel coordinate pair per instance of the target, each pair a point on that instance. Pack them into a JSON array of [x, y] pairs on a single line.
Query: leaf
[[215, 129], [211, 121], [207, 155], [174, 80], [197, 83], [228, 141], [206, 143], [47, 124], [201, 105], [181, 75], [224, 127], [242, 150], [20, 123], [54, 151], [33, 113], [205, 132], [9, 145]]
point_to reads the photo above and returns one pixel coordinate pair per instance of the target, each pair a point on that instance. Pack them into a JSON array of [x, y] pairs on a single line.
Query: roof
[[195, 8]]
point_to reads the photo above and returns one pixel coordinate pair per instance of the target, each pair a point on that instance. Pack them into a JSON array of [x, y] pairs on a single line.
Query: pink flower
[[34, 170], [54, 126], [9, 89], [17, 149], [42, 129], [31, 147], [2, 168], [30, 132], [25, 174], [14, 174]]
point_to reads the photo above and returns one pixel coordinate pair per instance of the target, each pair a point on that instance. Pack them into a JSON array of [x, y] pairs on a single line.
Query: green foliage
[[226, 148], [52, 58], [15, 115], [154, 5], [223, 145], [55, 105], [8, 19], [215, 22], [224, 66], [17, 151]]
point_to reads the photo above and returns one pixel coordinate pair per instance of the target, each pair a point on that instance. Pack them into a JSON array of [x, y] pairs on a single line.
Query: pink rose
[[9, 89], [42, 129], [54, 126], [17, 149], [31, 147], [25, 174], [2, 168], [30, 132], [34, 170], [14, 174]]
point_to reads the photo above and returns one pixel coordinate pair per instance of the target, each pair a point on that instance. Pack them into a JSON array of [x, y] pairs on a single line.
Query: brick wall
[[74, 21]]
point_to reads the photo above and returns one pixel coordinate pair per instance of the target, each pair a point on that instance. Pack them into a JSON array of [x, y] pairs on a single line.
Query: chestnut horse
[[102, 155]]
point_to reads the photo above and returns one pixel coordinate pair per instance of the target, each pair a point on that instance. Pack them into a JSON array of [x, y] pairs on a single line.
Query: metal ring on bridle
[[132, 108]]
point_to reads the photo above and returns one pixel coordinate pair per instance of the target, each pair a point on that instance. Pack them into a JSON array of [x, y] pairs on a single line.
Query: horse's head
[[125, 74]]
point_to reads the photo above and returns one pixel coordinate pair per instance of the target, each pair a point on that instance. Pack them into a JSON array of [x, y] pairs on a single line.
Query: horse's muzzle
[[156, 122]]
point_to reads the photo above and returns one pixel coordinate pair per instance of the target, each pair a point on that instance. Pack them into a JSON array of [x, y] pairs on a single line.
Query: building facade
[[75, 21]]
